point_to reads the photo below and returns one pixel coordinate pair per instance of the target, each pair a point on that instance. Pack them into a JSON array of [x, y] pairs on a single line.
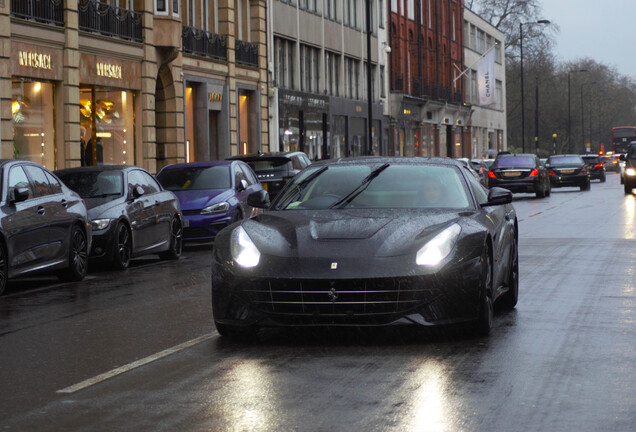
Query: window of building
[[381, 13], [498, 51], [243, 21], [499, 93], [382, 90], [33, 120], [410, 9], [161, 7], [394, 6], [107, 126], [309, 68]]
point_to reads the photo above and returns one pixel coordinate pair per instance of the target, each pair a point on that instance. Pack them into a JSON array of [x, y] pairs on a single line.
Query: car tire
[[603, 178], [585, 186], [549, 190], [78, 257], [628, 188], [510, 298], [540, 193], [123, 247], [176, 241], [237, 216], [235, 332], [4, 268], [486, 307]]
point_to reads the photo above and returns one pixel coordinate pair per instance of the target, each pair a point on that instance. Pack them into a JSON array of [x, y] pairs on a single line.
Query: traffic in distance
[[371, 241]]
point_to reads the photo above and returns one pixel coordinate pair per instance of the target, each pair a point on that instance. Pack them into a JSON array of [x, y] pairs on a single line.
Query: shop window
[[107, 127], [33, 115]]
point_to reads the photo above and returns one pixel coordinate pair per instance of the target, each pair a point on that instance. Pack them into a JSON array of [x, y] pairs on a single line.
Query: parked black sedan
[[275, 169], [131, 214], [44, 225], [568, 170], [369, 242], [520, 173]]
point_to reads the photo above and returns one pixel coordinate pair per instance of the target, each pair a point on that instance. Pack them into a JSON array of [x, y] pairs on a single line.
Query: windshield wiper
[[360, 188], [298, 187]]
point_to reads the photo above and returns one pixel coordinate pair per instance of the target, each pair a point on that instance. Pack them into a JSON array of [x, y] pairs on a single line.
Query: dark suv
[[568, 170], [595, 167], [275, 169], [629, 175], [522, 173]]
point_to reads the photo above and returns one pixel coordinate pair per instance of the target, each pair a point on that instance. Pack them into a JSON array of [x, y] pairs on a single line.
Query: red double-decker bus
[[622, 136]]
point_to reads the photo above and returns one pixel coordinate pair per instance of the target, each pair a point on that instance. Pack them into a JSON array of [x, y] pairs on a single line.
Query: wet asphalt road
[[137, 351]]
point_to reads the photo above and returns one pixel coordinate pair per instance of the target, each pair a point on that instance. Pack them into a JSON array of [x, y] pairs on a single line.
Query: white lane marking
[[130, 366]]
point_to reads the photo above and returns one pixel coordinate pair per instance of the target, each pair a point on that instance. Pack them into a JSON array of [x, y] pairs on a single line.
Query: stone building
[[143, 82]]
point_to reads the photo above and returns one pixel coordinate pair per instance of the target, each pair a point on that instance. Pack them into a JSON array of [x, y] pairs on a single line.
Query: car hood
[[98, 207], [199, 199], [345, 233]]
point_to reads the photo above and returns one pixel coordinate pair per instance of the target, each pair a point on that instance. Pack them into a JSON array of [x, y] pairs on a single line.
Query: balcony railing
[[46, 11], [98, 17], [201, 42], [246, 53]]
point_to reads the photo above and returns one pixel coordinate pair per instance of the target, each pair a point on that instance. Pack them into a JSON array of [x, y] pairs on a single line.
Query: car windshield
[[195, 178], [94, 184], [591, 159], [514, 161], [380, 186], [565, 160]]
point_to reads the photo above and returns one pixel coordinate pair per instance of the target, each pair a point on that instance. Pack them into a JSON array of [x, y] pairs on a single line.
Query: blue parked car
[[213, 195]]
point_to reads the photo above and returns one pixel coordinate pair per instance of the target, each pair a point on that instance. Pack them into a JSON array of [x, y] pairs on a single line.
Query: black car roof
[[266, 155], [390, 159], [98, 168]]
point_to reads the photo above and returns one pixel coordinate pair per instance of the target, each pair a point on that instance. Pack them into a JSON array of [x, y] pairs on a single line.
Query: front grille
[[196, 233], [337, 298], [191, 212]]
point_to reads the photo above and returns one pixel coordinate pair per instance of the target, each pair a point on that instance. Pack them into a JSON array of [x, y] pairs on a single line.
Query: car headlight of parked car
[[100, 224], [216, 208], [243, 250], [438, 248], [631, 172]]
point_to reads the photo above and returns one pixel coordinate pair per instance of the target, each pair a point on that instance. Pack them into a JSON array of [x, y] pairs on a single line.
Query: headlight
[[100, 224], [216, 208], [438, 248], [243, 250], [630, 172]]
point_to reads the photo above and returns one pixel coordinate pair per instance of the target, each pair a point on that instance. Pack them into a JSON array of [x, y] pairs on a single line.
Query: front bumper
[[204, 228], [242, 299]]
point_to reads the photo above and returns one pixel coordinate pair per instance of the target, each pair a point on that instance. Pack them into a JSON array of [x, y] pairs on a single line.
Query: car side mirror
[[622, 157], [498, 196], [258, 199], [242, 185], [20, 194], [137, 192]]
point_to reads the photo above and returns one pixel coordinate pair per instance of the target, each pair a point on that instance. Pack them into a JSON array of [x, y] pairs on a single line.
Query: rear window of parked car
[[195, 178], [514, 161]]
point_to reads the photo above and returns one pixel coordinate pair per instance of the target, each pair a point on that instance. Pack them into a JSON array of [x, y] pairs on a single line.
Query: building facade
[[143, 82], [319, 95], [487, 124], [427, 113]]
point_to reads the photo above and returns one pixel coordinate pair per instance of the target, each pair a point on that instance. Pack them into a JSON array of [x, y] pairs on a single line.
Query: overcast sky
[[603, 30]]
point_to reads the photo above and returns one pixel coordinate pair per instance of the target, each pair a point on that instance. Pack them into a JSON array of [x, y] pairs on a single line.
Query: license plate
[[567, 171], [512, 173]]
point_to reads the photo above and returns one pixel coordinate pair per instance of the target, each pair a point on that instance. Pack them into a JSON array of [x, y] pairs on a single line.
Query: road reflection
[[429, 411], [629, 210]]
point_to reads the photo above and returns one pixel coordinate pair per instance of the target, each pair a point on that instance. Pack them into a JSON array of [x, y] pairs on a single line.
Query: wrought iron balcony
[[46, 11], [98, 17], [246, 53], [201, 42]]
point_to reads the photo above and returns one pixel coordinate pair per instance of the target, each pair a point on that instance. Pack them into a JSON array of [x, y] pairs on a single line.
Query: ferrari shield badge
[[334, 265]]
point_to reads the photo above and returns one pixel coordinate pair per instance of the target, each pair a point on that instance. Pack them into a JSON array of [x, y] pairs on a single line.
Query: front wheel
[[176, 241], [628, 188], [485, 319], [123, 247], [78, 257], [510, 298], [4, 268]]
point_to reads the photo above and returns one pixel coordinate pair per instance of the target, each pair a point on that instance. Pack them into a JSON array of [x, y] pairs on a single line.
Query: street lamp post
[[570, 110], [582, 118], [523, 113]]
